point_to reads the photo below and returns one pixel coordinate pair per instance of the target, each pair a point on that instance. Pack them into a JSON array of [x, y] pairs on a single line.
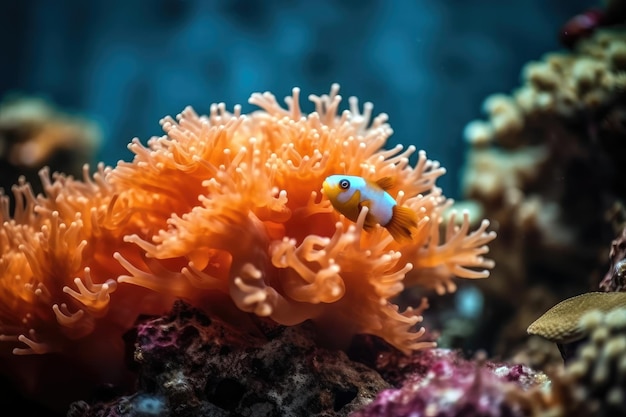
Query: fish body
[[349, 194], [581, 26]]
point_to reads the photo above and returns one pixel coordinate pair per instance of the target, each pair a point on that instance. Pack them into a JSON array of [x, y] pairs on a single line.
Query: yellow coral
[[592, 380], [561, 84], [228, 207]]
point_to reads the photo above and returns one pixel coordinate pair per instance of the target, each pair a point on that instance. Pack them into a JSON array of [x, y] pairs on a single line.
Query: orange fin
[[403, 220], [386, 183], [369, 222]]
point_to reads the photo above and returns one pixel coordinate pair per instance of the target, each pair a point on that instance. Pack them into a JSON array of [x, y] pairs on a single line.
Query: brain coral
[[225, 210]]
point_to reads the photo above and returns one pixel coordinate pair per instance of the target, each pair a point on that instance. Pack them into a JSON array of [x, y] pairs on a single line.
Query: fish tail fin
[[402, 222]]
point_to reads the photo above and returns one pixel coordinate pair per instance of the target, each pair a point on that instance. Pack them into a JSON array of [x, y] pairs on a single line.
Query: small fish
[[581, 26], [349, 194], [584, 24]]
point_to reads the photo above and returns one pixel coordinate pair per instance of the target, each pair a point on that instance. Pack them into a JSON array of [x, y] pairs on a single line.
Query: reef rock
[[194, 365], [440, 382]]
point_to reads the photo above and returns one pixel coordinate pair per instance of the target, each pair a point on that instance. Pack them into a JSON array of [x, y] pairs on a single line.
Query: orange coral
[[228, 207]]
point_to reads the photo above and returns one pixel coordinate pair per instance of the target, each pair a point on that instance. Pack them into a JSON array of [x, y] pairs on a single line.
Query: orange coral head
[[225, 211], [231, 206]]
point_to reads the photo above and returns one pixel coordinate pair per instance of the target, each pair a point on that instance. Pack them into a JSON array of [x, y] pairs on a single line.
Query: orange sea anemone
[[226, 209]]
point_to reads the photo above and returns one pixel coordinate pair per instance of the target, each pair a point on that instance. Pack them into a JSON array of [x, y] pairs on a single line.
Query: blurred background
[[427, 63]]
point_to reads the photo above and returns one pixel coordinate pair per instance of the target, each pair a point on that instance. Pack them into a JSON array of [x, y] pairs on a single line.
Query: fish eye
[[345, 184]]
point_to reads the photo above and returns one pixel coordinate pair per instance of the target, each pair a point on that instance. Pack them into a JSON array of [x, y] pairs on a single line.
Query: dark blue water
[[427, 63]]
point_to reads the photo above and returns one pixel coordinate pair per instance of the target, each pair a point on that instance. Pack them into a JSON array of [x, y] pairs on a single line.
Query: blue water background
[[427, 63]]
